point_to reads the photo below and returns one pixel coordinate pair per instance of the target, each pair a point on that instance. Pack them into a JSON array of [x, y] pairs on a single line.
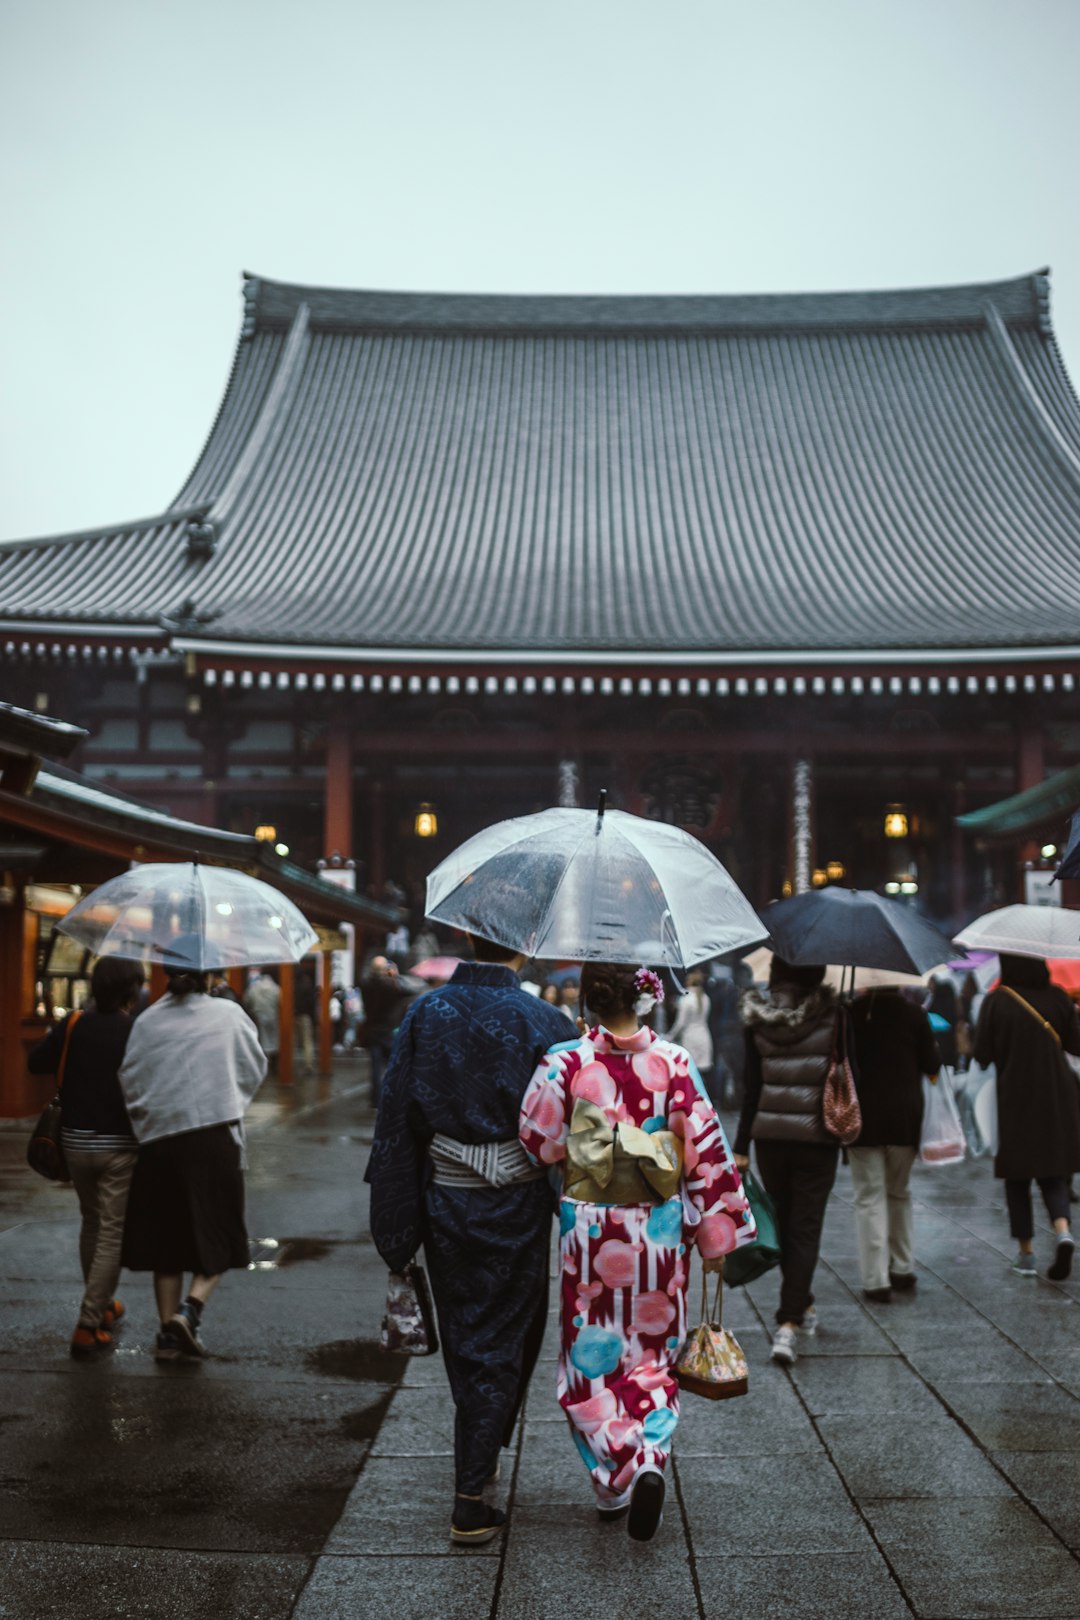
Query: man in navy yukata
[[447, 1171]]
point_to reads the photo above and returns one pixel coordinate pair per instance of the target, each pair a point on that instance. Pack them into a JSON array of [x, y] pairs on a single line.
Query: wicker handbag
[[711, 1362], [45, 1149]]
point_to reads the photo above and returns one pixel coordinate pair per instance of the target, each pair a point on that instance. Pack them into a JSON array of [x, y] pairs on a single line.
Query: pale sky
[[152, 151]]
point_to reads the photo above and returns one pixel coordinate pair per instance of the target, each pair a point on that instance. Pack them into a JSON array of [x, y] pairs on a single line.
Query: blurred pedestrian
[[191, 1068], [635, 1204], [447, 1171], [690, 1026], [550, 994], [86, 1051], [385, 1001], [894, 1048], [263, 1004], [305, 1003], [790, 1032], [569, 999], [1025, 1028], [943, 1005], [220, 987]]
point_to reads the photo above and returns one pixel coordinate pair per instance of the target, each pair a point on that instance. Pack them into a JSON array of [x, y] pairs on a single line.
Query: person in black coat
[[894, 1048], [85, 1053], [1025, 1028]]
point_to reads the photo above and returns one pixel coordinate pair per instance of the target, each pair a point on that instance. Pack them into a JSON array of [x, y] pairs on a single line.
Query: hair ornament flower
[[650, 991]]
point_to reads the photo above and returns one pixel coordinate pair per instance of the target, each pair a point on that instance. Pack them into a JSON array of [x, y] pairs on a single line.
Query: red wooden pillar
[[326, 1029], [237, 981], [338, 818], [158, 981], [287, 1025]]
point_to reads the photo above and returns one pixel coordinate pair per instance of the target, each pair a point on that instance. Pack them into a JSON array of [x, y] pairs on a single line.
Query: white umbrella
[[593, 887], [1025, 931], [181, 914]]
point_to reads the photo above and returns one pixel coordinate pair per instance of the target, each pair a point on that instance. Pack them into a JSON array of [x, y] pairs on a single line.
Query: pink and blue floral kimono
[[629, 1113]]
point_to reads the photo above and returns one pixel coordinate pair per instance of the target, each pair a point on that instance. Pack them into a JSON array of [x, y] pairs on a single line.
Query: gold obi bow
[[619, 1164]]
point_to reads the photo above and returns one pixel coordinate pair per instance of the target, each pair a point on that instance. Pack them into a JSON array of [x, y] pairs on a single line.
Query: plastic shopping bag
[[942, 1140]]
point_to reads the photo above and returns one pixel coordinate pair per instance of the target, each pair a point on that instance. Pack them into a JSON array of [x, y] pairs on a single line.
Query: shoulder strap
[[1038, 1017], [72, 1021]]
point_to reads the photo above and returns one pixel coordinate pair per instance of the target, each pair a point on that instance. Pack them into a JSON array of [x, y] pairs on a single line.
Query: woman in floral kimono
[[647, 1173]]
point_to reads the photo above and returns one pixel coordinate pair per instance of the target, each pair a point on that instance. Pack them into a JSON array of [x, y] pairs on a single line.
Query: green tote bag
[[744, 1265]]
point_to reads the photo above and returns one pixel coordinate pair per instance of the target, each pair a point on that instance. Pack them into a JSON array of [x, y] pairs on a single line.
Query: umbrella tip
[[601, 806]]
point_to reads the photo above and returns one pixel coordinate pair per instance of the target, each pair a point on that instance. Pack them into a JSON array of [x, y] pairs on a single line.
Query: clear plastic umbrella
[[587, 887], [181, 914], [1025, 931]]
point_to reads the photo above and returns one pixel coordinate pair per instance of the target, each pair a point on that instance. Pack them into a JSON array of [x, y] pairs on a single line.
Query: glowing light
[[892, 888], [223, 908], [819, 877], [1048, 851], [427, 822], [834, 871], [909, 886], [266, 834], [281, 849], [275, 922], [896, 822]]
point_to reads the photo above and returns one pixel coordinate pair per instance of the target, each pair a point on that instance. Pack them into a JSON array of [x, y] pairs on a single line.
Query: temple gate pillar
[[338, 812], [287, 1025], [801, 825], [17, 1096]]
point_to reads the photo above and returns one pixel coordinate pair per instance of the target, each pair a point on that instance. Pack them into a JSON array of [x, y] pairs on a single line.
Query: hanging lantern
[[819, 877], [426, 824], [896, 821], [266, 834], [834, 871]]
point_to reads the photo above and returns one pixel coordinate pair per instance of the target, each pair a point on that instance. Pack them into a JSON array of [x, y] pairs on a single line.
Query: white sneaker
[[809, 1322], [783, 1346]]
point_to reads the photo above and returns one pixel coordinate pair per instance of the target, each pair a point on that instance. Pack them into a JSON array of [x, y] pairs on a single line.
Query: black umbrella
[[854, 928], [1070, 861]]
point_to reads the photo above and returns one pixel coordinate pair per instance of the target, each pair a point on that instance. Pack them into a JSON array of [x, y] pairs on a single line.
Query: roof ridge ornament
[[251, 305], [188, 619]]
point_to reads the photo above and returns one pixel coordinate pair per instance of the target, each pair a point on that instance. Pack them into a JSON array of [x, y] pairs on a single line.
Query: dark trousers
[[487, 1253], [1055, 1193], [798, 1177]]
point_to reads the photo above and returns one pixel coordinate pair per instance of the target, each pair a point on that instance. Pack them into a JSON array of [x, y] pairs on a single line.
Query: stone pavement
[[922, 1458]]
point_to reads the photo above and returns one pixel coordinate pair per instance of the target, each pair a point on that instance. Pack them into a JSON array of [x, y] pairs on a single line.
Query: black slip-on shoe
[[473, 1523], [903, 1281], [1063, 1260], [646, 1505], [880, 1296]]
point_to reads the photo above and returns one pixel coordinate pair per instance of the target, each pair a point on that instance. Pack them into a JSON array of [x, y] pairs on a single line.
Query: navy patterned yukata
[[460, 1066]]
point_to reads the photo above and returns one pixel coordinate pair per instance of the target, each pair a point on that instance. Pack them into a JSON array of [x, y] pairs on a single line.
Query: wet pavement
[[922, 1457]]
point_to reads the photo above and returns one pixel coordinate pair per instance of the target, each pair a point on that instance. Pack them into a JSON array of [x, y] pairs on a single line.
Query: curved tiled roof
[[818, 474]]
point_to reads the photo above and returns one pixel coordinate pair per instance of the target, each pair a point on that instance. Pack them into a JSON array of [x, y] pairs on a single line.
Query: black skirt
[[186, 1207]]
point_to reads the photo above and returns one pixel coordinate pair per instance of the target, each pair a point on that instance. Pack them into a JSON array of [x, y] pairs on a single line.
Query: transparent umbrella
[[1025, 931], [185, 915], [593, 887]]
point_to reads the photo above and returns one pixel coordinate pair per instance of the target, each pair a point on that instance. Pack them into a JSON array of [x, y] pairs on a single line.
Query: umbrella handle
[[601, 806]]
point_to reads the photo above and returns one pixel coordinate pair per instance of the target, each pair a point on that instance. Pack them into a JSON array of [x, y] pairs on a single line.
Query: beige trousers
[[305, 1039], [102, 1181], [883, 1220]]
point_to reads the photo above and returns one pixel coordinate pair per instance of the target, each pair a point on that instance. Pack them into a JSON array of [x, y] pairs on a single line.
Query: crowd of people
[[597, 1085]]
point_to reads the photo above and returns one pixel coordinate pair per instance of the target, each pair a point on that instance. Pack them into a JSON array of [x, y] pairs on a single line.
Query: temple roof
[[834, 475]]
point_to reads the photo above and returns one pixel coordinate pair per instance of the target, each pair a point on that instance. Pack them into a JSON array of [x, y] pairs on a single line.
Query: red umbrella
[[436, 968], [1066, 973]]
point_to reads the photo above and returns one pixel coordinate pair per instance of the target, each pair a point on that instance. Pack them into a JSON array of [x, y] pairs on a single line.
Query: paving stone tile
[[752, 1505], [769, 1421], [454, 1586], [403, 1505], [1051, 1482], [1017, 1417], [419, 1423], [968, 1525], [989, 1360], [893, 1456], [560, 1570], [865, 1384], [57, 1580], [1032, 1580], [798, 1587]]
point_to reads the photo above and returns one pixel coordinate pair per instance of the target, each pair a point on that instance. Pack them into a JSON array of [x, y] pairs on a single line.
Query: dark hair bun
[[608, 988], [187, 983]]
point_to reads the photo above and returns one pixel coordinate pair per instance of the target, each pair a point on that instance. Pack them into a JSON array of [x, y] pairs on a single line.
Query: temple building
[[799, 573]]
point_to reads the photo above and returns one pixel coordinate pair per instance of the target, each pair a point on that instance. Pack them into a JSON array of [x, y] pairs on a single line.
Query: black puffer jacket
[[789, 1040]]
